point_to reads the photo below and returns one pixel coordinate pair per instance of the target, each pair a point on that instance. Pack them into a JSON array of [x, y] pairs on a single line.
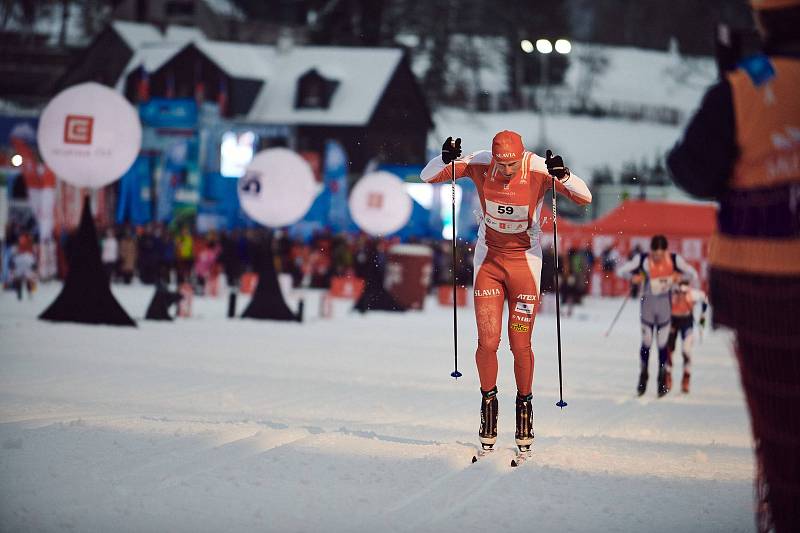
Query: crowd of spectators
[[155, 253]]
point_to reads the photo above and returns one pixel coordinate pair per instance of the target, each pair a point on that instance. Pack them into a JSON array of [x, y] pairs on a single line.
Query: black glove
[[451, 150], [555, 166], [703, 321]]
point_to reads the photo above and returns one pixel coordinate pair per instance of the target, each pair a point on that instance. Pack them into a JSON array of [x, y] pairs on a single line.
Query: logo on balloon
[[250, 183], [78, 129], [89, 135], [379, 203], [277, 188], [375, 200]]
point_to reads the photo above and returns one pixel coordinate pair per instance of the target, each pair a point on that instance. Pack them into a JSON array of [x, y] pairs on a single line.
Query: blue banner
[[169, 113], [336, 170], [135, 193]]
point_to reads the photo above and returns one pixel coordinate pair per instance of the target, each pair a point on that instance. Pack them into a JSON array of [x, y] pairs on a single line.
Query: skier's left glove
[[555, 166], [702, 321]]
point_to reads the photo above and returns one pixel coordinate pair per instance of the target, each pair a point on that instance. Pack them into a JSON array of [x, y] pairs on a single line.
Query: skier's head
[[777, 20], [658, 247], [683, 285], [507, 150]]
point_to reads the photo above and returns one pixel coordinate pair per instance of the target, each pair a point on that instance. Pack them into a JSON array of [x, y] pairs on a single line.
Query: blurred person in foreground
[[511, 183], [657, 273], [742, 148]]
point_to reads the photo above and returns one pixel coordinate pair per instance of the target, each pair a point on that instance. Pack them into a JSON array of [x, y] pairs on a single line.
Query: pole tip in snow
[[561, 403], [455, 374]]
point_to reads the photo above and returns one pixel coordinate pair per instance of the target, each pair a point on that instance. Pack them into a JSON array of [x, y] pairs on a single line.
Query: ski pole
[[616, 317], [455, 374], [561, 403]]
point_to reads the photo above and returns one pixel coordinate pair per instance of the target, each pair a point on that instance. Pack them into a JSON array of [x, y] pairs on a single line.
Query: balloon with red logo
[[278, 188], [89, 135], [379, 203]]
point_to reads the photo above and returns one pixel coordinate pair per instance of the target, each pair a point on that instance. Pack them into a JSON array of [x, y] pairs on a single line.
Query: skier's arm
[[571, 186], [436, 171], [700, 297], [627, 269], [701, 162], [688, 270]]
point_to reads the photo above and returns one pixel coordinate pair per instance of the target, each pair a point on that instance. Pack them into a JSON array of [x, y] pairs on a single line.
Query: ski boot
[[668, 379], [488, 429], [685, 382], [662, 381], [524, 434], [642, 382]]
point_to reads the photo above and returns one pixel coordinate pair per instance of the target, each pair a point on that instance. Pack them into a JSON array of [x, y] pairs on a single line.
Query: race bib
[[506, 218], [660, 285]]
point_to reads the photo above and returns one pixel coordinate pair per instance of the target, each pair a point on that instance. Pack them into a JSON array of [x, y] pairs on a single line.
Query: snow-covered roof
[[136, 34], [240, 60], [362, 73], [225, 8]]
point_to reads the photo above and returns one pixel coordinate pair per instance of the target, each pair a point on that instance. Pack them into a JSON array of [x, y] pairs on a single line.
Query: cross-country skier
[[684, 300], [511, 184], [657, 271], [742, 148]]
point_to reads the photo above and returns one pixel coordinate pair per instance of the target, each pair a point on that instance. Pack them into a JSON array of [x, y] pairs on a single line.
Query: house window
[[314, 91]]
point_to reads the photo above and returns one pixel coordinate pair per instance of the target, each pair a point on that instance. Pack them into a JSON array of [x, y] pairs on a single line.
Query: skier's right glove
[[451, 150], [702, 320]]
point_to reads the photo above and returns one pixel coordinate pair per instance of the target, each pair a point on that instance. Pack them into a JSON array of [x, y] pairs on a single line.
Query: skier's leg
[[687, 342], [522, 283], [664, 375], [644, 356], [673, 337], [488, 300], [489, 295]]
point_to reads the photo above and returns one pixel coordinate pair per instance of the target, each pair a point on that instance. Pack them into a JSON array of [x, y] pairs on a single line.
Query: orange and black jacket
[[742, 148]]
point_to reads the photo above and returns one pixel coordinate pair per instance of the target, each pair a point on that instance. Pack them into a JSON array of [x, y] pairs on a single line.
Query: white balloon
[[380, 204], [278, 187], [89, 135]]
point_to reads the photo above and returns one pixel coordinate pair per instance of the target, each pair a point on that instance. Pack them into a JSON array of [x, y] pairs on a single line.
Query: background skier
[[684, 300], [657, 272]]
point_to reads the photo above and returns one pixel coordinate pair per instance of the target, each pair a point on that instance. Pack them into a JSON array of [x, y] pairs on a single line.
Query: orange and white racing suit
[[508, 254]]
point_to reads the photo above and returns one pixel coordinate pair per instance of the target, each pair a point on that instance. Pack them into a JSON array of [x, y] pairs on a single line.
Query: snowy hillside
[[353, 424], [586, 143]]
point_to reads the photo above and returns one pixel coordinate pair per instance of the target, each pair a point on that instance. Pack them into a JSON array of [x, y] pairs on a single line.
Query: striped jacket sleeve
[[573, 187]]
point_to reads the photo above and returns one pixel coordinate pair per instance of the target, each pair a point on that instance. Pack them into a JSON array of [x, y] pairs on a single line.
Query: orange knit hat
[[773, 4], [507, 146]]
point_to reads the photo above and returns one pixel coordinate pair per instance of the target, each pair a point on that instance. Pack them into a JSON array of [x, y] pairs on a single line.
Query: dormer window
[[314, 91]]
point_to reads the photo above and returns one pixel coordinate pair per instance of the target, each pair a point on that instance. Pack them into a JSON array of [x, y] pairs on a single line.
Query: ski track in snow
[[353, 424]]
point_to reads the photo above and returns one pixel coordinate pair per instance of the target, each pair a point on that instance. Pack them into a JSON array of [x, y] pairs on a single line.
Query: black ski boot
[[488, 429], [662, 381], [642, 381], [524, 434]]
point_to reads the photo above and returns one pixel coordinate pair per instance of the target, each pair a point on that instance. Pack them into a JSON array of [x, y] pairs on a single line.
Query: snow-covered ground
[[352, 424]]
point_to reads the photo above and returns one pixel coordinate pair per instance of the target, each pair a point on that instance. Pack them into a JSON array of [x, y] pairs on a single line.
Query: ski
[[521, 457], [481, 454]]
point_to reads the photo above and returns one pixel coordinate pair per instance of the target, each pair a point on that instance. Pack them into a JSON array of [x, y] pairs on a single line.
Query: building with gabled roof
[[366, 98]]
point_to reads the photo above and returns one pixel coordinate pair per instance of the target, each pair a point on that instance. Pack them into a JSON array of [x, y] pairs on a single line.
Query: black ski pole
[[455, 374], [561, 403], [619, 312]]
